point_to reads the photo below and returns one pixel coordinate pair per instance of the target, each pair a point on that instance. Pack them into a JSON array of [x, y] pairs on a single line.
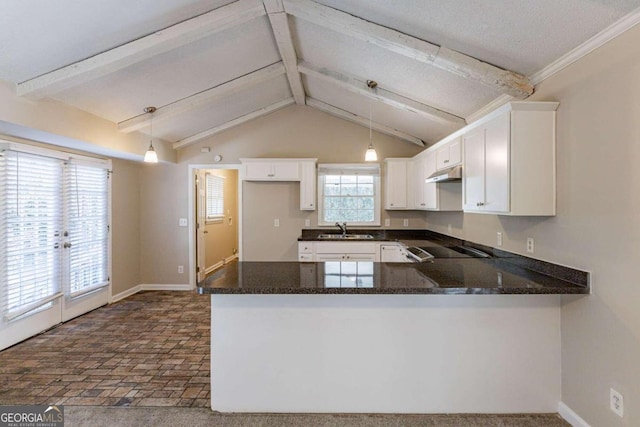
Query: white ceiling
[[210, 64]]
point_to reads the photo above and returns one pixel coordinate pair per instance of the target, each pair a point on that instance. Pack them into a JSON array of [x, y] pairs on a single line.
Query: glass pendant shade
[[371, 155], [151, 156]]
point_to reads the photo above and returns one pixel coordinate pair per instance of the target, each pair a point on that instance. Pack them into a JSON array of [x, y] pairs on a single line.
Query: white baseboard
[[122, 295], [220, 263], [162, 287], [148, 287], [570, 416]]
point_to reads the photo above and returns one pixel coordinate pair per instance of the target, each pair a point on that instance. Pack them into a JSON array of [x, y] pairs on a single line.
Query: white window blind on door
[[215, 197], [31, 224], [87, 243]]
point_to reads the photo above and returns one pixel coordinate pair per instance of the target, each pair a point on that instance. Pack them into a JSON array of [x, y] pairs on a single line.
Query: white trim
[[570, 416], [496, 103], [220, 263], [124, 294], [166, 287], [604, 36]]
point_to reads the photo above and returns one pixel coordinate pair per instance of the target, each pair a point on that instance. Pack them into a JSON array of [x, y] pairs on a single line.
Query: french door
[[54, 239]]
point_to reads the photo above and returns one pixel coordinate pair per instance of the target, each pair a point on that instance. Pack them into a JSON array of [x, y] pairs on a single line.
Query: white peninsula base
[[385, 353]]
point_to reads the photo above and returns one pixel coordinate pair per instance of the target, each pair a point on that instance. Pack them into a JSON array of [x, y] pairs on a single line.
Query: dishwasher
[[401, 253]]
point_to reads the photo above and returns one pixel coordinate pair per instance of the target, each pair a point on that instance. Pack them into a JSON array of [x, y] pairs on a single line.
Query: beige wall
[[221, 239], [597, 227], [125, 225]]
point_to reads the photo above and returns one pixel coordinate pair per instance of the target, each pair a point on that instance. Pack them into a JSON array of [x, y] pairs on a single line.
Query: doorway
[[215, 235]]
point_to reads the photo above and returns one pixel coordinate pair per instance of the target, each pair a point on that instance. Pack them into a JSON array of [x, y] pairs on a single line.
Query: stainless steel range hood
[[446, 175]]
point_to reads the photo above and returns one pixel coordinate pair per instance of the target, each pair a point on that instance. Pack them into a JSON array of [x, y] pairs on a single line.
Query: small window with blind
[[214, 197], [349, 193]]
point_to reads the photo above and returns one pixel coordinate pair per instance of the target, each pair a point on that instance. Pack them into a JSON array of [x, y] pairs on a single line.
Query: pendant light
[[371, 155], [150, 156]]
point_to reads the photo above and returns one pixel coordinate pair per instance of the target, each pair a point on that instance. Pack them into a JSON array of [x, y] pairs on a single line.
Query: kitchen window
[[349, 193], [215, 197]]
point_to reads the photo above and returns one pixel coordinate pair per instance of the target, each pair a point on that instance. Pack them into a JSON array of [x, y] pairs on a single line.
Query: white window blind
[[215, 196], [349, 193], [87, 243], [31, 224]]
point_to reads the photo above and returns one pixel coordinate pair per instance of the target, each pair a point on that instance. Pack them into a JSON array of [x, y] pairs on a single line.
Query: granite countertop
[[442, 276]]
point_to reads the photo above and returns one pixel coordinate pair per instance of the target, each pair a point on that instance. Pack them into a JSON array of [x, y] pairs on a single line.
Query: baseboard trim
[[122, 295], [570, 416], [220, 263], [162, 287], [148, 287]]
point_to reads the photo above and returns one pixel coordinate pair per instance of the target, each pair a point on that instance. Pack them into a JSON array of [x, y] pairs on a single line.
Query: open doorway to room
[[214, 198]]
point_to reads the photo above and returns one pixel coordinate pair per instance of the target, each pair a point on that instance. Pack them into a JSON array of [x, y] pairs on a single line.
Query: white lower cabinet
[[310, 251]]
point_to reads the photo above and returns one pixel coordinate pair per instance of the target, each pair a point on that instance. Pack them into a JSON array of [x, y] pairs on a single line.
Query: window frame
[[213, 218], [372, 169]]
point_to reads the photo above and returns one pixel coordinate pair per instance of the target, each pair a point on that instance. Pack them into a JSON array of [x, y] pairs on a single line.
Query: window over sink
[[349, 193]]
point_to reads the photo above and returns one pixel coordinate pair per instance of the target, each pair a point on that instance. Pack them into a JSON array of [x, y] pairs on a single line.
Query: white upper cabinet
[[396, 183], [271, 169], [302, 170], [430, 196], [509, 161], [449, 154]]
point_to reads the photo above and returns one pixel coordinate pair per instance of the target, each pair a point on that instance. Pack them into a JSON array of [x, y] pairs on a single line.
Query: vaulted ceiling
[[208, 65]]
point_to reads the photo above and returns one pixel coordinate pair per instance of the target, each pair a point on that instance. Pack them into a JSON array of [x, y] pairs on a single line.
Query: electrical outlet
[[307, 223], [499, 239], [616, 404], [405, 222], [182, 222], [181, 269], [387, 222], [530, 245], [276, 223]]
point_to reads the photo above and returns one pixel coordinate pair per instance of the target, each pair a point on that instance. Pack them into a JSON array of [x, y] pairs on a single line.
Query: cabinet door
[[286, 171], [430, 189], [497, 133], [418, 181], [455, 152], [442, 157], [260, 171], [396, 185], [307, 186], [473, 197]]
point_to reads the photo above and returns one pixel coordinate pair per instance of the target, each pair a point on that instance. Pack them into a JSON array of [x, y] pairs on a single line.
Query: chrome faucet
[[342, 227]]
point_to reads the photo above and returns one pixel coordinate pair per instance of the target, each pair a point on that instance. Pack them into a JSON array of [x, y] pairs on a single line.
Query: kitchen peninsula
[[452, 335]]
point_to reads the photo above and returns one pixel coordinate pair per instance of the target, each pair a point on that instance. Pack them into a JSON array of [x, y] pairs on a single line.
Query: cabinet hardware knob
[[446, 161], [67, 245]]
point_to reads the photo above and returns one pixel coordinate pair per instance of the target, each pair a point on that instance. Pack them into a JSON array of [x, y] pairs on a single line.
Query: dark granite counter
[[442, 276]]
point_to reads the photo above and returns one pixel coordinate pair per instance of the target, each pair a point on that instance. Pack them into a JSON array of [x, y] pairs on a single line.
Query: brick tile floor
[[151, 349]]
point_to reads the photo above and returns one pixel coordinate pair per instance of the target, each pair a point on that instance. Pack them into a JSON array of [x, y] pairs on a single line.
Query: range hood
[[446, 175]]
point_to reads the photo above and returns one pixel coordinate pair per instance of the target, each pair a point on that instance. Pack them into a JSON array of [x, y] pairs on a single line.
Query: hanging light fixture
[[150, 156], [371, 155]]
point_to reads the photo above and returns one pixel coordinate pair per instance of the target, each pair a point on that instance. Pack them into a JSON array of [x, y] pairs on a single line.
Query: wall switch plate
[[616, 404], [530, 245], [405, 222], [307, 223], [182, 222], [387, 222], [499, 239], [276, 223], [181, 269]]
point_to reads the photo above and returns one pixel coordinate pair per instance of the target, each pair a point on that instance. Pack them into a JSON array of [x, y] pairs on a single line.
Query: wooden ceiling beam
[[192, 102], [141, 49], [232, 123], [503, 81], [282, 33], [387, 130], [359, 86]]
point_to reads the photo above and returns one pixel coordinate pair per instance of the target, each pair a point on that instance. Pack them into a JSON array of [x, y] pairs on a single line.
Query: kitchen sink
[[345, 237]]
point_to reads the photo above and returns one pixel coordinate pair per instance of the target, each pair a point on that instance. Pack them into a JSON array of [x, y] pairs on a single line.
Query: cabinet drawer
[[305, 257], [305, 247], [345, 247]]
